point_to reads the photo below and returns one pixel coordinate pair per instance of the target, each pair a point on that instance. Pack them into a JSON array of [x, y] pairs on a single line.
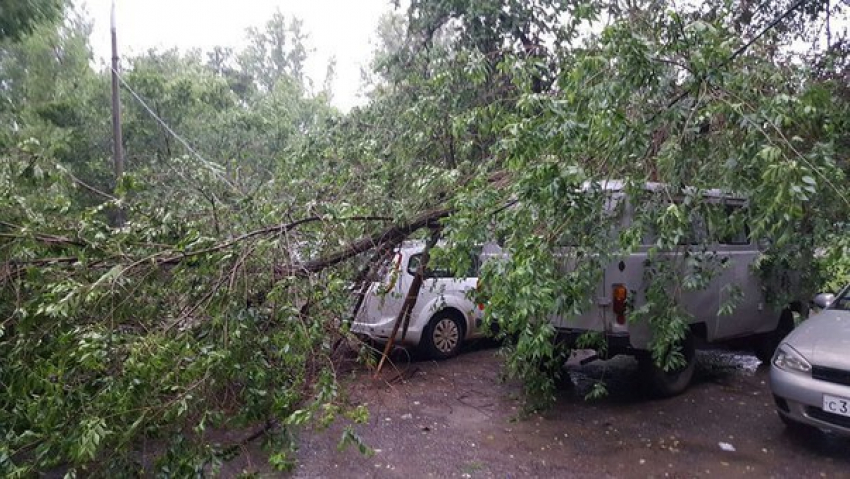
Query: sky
[[343, 29]]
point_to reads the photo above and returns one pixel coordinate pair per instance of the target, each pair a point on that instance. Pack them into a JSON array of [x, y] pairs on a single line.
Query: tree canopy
[[19, 17], [252, 204]]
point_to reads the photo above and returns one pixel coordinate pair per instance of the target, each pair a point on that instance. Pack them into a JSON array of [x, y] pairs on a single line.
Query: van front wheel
[[661, 383]]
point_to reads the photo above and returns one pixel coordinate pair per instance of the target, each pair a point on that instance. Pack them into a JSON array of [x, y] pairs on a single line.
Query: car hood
[[824, 339]]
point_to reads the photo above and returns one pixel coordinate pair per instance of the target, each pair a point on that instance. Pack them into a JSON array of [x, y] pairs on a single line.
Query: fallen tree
[[107, 336], [197, 315]]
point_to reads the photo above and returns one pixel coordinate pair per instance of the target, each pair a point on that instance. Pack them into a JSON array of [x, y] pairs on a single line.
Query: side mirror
[[823, 300]]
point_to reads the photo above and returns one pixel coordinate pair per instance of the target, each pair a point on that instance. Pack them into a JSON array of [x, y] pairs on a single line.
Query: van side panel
[[700, 304], [732, 272], [742, 287]]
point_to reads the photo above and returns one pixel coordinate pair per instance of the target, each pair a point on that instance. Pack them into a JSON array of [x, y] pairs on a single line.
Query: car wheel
[[767, 343], [443, 337], [661, 383]]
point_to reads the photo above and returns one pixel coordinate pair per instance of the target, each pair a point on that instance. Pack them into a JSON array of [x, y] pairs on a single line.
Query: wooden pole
[[409, 301], [117, 142]]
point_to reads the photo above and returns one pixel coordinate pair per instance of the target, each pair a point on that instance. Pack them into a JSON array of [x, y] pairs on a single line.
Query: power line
[[770, 26], [733, 56], [212, 167]]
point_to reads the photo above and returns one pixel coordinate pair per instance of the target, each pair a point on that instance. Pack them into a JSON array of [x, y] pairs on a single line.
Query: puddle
[[720, 361]]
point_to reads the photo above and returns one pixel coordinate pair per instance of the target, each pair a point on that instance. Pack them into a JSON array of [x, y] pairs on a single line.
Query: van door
[[742, 309], [693, 262], [700, 302]]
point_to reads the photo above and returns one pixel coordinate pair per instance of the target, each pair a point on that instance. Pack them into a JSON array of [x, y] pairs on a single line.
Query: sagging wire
[[210, 166]]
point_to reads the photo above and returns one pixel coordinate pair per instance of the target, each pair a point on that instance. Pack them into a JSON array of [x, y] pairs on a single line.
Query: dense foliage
[[19, 17], [670, 96], [219, 304], [157, 335]]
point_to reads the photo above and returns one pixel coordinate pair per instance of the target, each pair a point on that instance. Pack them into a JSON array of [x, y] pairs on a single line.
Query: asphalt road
[[458, 418]]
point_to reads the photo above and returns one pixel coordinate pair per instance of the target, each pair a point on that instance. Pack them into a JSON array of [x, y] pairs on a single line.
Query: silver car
[[810, 371]]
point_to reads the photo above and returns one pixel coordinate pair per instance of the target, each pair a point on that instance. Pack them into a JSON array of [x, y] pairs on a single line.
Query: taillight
[[620, 294]]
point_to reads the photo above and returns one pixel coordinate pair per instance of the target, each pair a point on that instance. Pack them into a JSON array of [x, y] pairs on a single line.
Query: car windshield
[[842, 301]]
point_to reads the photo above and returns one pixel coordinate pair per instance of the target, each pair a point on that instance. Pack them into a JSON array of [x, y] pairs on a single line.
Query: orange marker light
[[620, 294]]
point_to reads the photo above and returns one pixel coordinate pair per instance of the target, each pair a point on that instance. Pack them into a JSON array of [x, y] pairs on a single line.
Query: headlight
[[788, 359]]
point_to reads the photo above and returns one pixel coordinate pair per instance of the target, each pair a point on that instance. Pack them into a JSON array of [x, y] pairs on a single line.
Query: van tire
[[663, 384], [443, 337], [766, 344]]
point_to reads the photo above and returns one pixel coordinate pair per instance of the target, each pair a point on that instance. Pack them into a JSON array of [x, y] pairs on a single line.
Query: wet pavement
[[458, 418]]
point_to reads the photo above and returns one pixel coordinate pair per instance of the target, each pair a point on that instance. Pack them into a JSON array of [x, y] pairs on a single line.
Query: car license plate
[[836, 405]]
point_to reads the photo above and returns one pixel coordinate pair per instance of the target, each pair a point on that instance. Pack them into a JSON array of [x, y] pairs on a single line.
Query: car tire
[[663, 384], [767, 343], [443, 337]]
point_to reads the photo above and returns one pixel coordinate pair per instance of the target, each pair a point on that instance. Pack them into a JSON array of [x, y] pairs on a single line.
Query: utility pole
[[117, 144]]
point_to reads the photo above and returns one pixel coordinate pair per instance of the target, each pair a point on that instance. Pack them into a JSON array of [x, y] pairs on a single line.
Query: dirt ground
[[457, 418]]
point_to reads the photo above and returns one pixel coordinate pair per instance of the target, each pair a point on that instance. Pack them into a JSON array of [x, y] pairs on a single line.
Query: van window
[[728, 224], [600, 223], [724, 223], [697, 232], [737, 229]]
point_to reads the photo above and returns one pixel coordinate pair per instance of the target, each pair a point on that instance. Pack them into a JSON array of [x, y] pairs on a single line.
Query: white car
[[443, 318]]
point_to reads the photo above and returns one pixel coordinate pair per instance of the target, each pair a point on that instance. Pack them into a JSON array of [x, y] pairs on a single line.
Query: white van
[[622, 292]]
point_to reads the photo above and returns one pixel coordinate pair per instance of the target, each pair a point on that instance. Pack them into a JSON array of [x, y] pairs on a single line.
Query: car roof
[[412, 246]]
